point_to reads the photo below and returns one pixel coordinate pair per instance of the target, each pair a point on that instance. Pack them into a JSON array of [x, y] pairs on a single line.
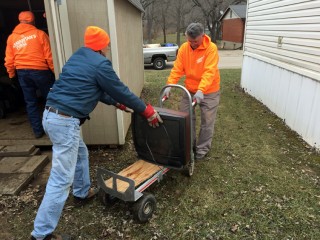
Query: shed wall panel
[[81, 15], [129, 30], [102, 127]]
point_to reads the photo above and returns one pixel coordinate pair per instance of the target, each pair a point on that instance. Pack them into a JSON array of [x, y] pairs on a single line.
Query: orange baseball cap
[[96, 38], [26, 17]]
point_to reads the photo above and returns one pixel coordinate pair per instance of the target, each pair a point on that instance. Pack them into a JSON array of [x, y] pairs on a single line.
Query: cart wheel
[[188, 169], [105, 198], [143, 209]]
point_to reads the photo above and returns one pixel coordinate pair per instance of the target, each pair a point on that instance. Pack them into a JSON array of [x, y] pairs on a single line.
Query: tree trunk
[[164, 34], [149, 15], [178, 25]]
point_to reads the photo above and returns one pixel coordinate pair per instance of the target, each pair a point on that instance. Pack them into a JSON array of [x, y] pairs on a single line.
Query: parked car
[[158, 54]]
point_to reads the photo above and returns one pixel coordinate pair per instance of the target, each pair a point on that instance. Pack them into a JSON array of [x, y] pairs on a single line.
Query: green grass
[[260, 181]]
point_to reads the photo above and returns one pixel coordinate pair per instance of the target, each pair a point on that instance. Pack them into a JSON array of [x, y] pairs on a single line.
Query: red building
[[233, 25]]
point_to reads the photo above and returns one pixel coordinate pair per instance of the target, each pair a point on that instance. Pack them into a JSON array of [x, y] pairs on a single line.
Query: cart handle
[[194, 102], [164, 98]]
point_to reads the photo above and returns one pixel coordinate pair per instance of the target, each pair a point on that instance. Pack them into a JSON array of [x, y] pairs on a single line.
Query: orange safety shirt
[[200, 66], [28, 48]]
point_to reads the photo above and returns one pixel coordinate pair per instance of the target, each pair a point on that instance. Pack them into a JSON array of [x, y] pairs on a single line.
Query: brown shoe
[[78, 202], [56, 237]]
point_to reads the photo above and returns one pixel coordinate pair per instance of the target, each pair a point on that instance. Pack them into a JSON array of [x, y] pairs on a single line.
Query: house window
[[230, 14]]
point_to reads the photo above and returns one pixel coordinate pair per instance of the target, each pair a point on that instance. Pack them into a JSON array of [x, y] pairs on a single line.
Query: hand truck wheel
[[105, 198], [145, 206]]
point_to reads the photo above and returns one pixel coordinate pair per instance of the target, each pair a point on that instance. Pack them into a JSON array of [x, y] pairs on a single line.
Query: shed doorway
[[14, 124]]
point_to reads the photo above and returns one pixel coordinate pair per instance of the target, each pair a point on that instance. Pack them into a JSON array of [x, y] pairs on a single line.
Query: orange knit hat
[[96, 38], [26, 17]]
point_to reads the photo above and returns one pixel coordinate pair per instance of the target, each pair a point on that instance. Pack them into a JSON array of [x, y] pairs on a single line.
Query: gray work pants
[[208, 107]]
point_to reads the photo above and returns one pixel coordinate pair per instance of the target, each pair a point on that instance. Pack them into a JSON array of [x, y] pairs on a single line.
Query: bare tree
[[181, 8], [170, 14], [162, 16], [211, 10], [148, 17]]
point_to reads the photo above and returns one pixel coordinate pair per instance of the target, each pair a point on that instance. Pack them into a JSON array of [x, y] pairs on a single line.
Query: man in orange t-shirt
[[28, 54], [197, 60]]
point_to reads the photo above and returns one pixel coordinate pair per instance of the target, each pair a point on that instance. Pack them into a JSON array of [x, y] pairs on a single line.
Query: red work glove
[[124, 108], [152, 116]]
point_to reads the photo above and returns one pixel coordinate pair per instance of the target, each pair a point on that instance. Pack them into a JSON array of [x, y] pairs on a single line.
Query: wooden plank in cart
[[139, 172]]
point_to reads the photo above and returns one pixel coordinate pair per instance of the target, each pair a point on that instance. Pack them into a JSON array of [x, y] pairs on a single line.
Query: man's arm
[[9, 59], [178, 70], [106, 99], [46, 49], [117, 90], [210, 69]]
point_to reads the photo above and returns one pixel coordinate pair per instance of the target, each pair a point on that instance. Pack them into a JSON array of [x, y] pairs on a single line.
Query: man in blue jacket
[[86, 78]]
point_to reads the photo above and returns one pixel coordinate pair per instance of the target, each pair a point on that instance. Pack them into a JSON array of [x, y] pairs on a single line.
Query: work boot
[[78, 202], [55, 237], [39, 135]]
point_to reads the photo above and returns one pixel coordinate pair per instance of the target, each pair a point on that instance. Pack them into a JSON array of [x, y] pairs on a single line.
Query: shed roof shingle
[[240, 10]]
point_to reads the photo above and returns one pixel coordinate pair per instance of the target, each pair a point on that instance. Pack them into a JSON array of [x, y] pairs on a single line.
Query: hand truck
[[128, 184]]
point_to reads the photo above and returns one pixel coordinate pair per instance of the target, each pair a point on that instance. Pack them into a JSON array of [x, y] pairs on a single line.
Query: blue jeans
[[70, 166], [31, 80]]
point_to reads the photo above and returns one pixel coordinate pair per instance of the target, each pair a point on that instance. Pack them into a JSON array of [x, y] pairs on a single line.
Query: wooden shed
[[232, 26], [65, 21], [122, 19], [281, 62]]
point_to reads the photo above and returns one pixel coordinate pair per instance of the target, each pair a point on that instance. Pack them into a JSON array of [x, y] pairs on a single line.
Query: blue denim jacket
[[87, 78]]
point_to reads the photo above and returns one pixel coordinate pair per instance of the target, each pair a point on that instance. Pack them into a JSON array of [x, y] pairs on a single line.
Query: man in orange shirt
[[197, 60], [28, 54]]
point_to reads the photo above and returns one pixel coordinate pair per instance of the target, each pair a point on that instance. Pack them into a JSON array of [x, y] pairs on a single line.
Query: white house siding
[[285, 76]]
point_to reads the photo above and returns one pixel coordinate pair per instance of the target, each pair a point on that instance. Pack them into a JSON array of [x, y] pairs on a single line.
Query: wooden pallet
[[139, 172]]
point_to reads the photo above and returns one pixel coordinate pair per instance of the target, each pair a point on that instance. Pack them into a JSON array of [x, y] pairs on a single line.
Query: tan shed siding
[[294, 22], [83, 13], [102, 128], [130, 41]]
